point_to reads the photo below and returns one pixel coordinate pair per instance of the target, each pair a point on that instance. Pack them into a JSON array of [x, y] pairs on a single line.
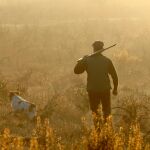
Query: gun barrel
[[100, 51]]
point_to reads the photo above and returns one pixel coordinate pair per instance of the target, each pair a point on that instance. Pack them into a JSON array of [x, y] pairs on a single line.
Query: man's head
[[97, 45]]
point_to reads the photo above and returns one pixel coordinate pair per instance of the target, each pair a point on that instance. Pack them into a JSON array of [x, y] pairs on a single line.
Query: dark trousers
[[96, 98]]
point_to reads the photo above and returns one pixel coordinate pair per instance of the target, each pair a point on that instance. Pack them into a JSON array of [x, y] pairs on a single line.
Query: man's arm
[[80, 66], [114, 76]]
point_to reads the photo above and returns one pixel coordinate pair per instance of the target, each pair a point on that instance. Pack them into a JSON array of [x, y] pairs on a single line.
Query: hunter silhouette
[[98, 68]]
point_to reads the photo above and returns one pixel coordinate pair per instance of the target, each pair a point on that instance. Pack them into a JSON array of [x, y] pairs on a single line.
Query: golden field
[[39, 47]]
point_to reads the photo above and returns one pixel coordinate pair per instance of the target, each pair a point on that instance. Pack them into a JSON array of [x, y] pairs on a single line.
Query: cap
[[98, 44]]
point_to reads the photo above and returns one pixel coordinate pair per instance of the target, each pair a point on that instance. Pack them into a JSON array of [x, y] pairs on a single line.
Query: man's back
[[98, 68], [97, 73]]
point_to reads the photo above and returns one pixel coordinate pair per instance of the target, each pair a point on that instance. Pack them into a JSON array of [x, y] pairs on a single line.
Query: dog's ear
[[12, 93], [17, 93]]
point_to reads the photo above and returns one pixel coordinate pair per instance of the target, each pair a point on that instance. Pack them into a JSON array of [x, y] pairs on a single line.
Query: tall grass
[[38, 61], [101, 137]]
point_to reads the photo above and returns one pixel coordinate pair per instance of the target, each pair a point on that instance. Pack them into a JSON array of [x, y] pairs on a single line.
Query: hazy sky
[[72, 9]]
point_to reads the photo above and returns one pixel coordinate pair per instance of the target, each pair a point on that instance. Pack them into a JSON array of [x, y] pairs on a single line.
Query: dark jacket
[[98, 68]]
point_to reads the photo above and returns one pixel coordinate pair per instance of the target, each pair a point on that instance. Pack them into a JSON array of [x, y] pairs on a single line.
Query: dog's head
[[13, 93]]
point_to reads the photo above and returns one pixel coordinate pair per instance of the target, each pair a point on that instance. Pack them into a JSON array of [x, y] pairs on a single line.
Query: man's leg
[[106, 103], [94, 100]]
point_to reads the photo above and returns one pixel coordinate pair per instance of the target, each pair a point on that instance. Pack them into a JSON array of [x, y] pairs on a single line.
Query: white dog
[[20, 105]]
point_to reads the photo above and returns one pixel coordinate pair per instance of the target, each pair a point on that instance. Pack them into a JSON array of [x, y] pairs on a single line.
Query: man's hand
[[115, 92], [85, 57]]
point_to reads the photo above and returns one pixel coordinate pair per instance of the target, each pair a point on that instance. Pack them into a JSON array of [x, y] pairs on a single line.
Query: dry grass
[[101, 137], [39, 61]]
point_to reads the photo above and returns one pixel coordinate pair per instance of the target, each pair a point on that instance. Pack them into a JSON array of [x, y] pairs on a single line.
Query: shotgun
[[99, 51]]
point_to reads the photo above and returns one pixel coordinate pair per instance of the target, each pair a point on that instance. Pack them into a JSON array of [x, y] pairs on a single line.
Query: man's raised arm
[[80, 66]]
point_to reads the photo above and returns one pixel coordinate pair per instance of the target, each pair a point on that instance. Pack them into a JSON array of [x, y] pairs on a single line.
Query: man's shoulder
[[99, 58], [106, 59]]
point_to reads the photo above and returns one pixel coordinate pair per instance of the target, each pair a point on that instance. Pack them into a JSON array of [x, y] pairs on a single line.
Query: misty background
[[46, 11], [41, 40], [53, 34]]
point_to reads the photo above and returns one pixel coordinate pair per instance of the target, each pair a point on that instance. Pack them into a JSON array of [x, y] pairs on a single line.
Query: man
[[98, 68]]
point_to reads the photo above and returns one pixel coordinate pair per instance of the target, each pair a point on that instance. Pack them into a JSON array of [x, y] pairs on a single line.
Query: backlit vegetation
[[38, 60]]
